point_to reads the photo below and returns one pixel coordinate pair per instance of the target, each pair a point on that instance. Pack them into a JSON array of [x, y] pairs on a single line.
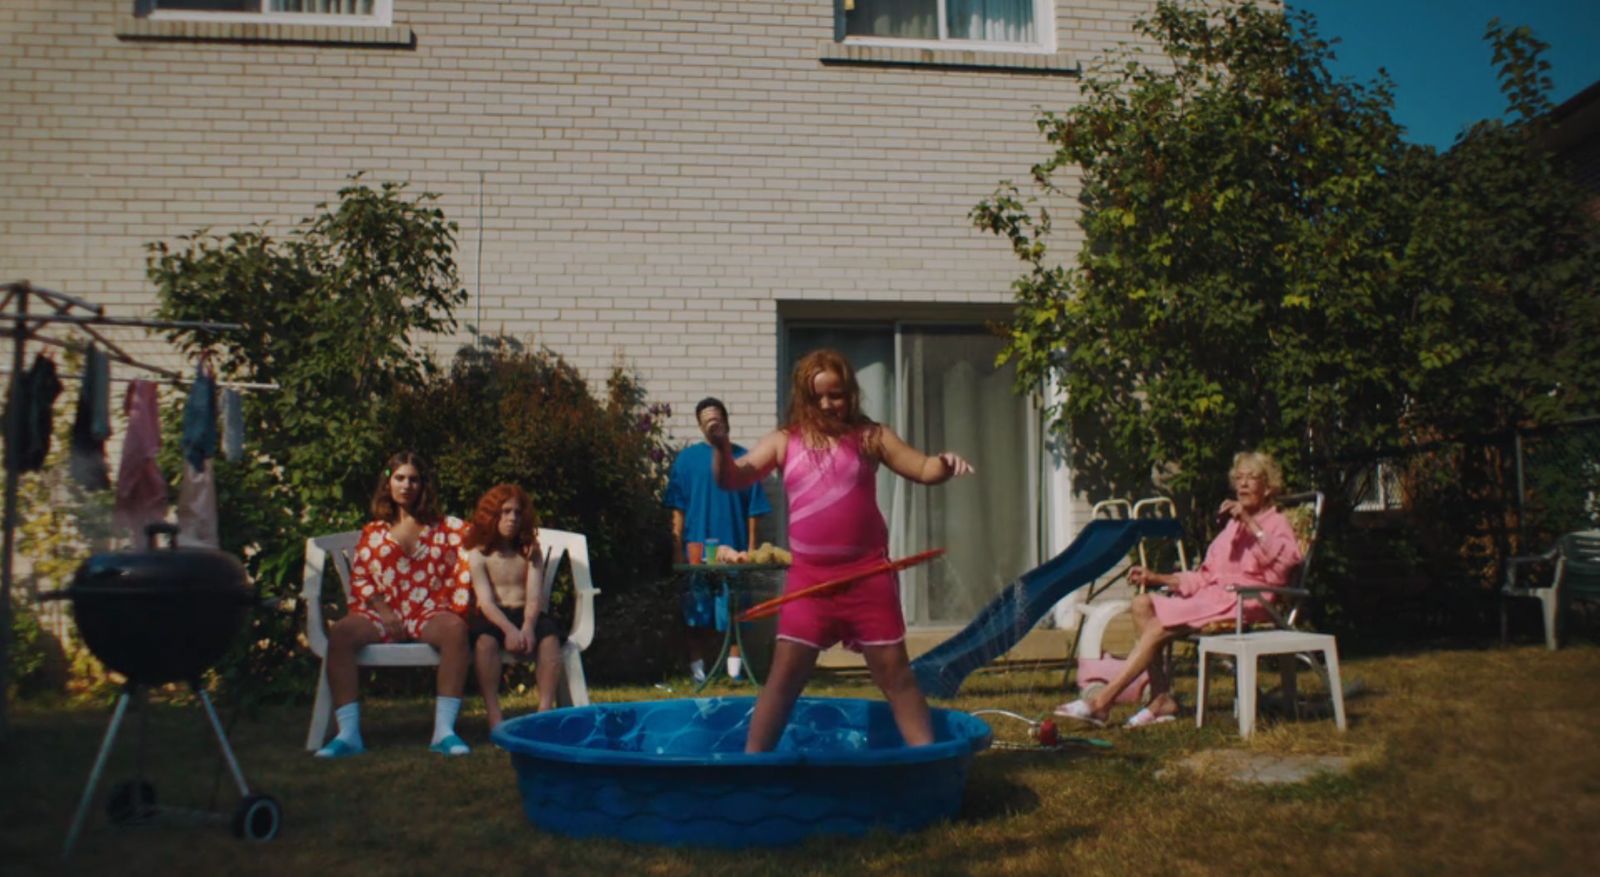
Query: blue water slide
[[1005, 621]]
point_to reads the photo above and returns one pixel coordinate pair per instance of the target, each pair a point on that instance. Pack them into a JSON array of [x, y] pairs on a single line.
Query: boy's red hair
[[483, 531]]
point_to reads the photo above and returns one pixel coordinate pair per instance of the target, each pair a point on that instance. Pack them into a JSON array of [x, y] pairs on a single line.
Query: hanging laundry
[[197, 507], [232, 425], [200, 418], [92, 424], [28, 416], [141, 491]]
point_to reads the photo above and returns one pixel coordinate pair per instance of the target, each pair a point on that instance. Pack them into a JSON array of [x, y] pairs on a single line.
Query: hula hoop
[[770, 607]]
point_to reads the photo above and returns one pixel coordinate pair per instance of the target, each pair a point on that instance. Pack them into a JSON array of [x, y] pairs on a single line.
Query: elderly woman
[[1257, 547]]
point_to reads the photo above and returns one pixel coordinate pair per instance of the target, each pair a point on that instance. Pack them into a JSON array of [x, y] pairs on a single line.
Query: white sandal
[[1079, 710], [1144, 717]]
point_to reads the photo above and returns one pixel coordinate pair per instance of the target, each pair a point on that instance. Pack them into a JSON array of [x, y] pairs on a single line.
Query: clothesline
[[176, 381], [22, 325]]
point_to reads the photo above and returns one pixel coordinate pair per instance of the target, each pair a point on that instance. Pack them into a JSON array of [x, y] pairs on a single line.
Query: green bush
[[594, 465], [327, 312]]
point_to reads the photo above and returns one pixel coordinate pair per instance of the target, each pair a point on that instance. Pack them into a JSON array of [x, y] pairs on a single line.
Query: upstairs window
[[981, 24], [343, 12]]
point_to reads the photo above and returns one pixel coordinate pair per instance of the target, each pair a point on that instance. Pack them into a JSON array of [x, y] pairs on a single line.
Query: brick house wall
[[659, 182]]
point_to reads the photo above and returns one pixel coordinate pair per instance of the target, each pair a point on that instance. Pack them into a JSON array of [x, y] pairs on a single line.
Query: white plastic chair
[[573, 690], [1576, 576]]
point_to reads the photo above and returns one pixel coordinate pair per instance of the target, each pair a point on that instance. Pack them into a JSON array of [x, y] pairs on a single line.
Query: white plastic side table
[[1247, 649]]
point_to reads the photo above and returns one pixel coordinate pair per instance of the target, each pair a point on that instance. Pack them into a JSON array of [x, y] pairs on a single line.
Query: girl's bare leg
[[891, 672], [792, 664], [486, 660]]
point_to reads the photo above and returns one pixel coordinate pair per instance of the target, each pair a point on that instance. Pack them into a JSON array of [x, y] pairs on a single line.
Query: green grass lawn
[[1464, 762]]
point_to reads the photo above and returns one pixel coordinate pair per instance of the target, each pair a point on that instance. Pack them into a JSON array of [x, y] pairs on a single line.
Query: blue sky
[[1435, 53]]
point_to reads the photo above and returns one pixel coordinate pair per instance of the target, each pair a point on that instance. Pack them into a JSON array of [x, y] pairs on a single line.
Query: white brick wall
[[650, 167]]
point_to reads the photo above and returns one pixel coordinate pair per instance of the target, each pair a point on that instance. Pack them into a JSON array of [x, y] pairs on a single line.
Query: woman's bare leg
[[1152, 639], [348, 636], [447, 634], [891, 671], [792, 664], [1144, 615]]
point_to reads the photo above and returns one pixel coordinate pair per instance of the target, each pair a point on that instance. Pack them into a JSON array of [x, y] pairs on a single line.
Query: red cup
[[696, 551]]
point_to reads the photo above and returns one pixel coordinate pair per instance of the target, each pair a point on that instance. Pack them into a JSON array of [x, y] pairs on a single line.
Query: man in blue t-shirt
[[701, 510]]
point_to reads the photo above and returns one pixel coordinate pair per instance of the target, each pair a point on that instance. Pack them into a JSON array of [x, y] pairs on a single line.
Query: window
[[999, 24], [343, 12], [1378, 488], [937, 386]]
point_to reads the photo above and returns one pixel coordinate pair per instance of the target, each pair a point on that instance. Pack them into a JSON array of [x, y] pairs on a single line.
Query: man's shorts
[[704, 605]]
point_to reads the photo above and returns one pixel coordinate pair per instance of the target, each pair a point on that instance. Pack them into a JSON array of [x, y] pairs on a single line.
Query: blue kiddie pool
[[675, 772]]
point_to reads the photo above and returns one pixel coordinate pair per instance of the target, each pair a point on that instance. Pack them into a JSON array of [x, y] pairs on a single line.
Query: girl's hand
[[957, 466], [1138, 576]]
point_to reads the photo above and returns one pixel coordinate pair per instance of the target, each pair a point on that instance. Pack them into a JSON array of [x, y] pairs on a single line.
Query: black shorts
[[543, 626]]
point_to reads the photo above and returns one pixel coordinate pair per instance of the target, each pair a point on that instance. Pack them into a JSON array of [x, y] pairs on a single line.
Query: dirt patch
[[1262, 767]]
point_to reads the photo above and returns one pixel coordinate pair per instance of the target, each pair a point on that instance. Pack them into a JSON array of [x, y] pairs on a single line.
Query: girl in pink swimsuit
[[829, 452]]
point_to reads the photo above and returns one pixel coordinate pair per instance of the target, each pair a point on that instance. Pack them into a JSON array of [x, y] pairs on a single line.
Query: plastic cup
[[695, 551], [711, 550]]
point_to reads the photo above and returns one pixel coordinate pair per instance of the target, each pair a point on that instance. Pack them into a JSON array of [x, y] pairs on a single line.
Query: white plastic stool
[[1247, 649]]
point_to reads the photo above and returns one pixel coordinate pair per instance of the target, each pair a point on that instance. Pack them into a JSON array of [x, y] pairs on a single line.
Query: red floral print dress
[[417, 586]]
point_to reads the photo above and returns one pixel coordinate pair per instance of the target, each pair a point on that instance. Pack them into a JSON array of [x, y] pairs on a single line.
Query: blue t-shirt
[[708, 510]]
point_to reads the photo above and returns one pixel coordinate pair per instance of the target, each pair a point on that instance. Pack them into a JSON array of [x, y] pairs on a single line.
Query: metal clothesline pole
[[17, 294]]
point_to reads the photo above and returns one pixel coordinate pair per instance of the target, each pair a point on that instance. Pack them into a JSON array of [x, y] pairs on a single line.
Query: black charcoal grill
[[156, 616]]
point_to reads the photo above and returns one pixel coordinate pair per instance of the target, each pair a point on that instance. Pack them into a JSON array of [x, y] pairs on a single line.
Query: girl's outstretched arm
[[738, 474], [914, 465]]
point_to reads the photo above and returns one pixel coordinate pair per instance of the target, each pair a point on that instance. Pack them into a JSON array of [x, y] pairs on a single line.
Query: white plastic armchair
[[339, 548], [1576, 575]]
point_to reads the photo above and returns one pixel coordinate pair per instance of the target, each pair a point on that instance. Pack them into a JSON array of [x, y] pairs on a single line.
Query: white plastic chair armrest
[[311, 598], [1513, 563]]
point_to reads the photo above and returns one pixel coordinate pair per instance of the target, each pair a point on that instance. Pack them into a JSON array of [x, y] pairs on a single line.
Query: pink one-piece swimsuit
[[835, 528]]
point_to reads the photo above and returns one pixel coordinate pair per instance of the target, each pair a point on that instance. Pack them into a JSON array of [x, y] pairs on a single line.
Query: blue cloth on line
[[200, 420]]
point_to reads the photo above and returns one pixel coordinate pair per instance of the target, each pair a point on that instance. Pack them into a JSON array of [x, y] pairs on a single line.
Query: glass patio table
[[728, 578]]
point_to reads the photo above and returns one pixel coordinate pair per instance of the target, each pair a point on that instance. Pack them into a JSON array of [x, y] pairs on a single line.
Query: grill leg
[[222, 740], [94, 775]]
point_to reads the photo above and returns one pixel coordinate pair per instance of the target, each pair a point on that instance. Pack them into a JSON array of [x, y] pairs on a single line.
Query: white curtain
[[956, 400], [328, 7], [903, 19], [995, 21]]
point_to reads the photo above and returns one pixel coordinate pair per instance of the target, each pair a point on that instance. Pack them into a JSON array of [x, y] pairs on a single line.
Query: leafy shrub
[[328, 313], [592, 464]]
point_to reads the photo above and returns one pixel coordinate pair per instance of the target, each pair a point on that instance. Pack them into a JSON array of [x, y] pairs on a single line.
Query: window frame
[[1044, 19], [382, 16]]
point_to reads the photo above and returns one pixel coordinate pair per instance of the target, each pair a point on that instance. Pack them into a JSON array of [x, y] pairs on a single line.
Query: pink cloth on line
[[141, 491], [1235, 557], [835, 528]]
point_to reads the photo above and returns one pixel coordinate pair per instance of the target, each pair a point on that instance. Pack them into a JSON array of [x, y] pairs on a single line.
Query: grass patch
[[1463, 762]]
